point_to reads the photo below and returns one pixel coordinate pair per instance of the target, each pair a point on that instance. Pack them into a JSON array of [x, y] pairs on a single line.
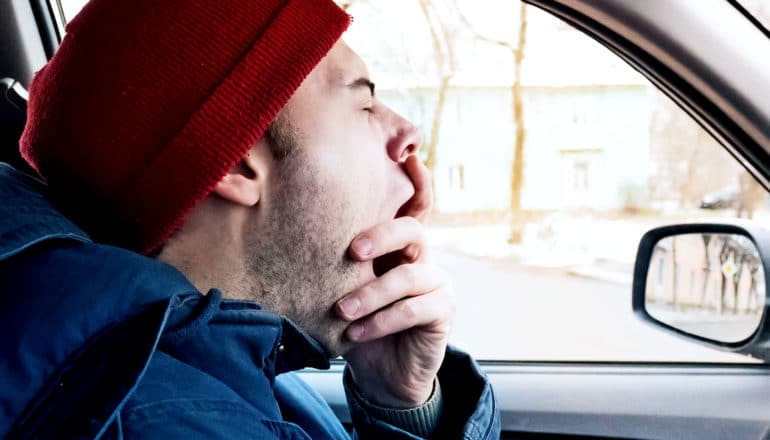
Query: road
[[512, 312]]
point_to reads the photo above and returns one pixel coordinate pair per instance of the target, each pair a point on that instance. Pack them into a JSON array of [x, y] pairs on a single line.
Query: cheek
[[367, 172], [358, 182], [353, 156]]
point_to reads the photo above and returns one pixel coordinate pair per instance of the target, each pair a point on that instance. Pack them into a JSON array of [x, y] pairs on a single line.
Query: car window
[[543, 263], [551, 157], [70, 8], [759, 9]]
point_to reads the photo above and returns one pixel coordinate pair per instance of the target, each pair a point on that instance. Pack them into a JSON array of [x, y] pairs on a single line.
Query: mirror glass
[[709, 285]]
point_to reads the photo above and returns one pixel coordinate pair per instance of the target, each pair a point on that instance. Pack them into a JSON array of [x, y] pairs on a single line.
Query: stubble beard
[[299, 265]]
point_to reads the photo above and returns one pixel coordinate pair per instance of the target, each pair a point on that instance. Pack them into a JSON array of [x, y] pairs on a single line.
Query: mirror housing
[[757, 344]]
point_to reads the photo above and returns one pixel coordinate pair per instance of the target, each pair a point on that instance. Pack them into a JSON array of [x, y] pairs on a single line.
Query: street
[[508, 311]]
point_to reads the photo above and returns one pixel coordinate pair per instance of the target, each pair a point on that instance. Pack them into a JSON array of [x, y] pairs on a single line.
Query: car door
[[608, 152], [558, 132]]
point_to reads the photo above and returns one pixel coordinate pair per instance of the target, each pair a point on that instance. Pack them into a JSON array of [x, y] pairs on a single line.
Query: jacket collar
[[235, 341], [26, 217], [231, 340]]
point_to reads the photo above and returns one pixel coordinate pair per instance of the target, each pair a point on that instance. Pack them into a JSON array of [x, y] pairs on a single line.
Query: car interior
[[686, 51]]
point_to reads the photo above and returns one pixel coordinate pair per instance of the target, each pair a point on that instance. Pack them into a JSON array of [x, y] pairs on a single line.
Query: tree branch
[[506, 44]]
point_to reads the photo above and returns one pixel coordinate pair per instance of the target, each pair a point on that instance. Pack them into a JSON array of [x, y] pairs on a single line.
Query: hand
[[417, 207], [401, 320], [421, 202]]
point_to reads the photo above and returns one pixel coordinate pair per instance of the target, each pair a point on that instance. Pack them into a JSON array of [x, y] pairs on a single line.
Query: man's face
[[343, 174]]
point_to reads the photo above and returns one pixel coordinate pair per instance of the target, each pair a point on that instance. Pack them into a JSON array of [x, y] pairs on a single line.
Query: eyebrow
[[363, 82]]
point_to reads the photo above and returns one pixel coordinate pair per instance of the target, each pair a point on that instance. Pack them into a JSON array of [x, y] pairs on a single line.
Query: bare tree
[[517, 168], [444, 58], [750, 195], [517, 173], [689, 163]]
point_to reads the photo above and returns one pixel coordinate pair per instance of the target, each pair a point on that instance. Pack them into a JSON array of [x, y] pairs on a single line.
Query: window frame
[[702, 110], [748, 152]]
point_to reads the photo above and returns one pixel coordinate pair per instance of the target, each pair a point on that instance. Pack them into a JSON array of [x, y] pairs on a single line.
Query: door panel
[[616, 401]]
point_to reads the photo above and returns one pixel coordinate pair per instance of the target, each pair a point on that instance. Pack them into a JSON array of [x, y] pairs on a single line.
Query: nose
[[404, 140]]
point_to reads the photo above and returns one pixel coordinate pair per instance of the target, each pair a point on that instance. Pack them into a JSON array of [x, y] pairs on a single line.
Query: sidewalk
[[585, 246], [588, 247], [622, 274]]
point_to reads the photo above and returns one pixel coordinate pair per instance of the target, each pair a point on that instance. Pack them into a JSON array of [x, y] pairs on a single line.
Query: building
[[579, 143]]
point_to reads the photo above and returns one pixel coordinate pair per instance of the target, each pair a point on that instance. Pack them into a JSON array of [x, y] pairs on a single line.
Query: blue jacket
[[97, 341]]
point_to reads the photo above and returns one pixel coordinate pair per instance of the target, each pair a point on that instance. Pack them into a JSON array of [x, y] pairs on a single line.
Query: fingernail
[[350, 306], [363, 246], [355, 331]]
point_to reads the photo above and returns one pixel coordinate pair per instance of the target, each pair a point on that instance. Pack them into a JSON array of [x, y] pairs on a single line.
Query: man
[[242, 146]]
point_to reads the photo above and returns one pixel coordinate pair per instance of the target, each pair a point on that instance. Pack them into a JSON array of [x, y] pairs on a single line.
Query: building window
[[580, 174], [457, 177]]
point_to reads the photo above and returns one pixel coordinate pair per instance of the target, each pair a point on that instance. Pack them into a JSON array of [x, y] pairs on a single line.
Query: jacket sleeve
[[468, 407], [198, 419]]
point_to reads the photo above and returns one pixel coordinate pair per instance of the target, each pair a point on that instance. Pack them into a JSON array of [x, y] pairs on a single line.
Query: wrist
[[421, 420], [379, 393]]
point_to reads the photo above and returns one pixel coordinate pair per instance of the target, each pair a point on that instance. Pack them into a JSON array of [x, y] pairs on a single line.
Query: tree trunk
[[435, 129], [517, 171], [445, 66]]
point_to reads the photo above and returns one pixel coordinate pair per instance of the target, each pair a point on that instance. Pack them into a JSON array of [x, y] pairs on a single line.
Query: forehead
[[340, 66]]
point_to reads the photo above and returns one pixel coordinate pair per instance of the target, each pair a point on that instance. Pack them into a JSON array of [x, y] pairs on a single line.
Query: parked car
[[724, 199]]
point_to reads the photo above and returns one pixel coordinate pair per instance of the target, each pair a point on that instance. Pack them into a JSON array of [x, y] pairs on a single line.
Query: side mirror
[[707, 282]]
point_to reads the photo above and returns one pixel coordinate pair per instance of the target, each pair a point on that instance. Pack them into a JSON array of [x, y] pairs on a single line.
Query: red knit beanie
[[148, 103]]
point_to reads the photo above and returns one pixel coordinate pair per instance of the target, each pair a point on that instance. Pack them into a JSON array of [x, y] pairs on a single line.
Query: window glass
[[70, 8], [760, 9], [540, 225], [542, 262]]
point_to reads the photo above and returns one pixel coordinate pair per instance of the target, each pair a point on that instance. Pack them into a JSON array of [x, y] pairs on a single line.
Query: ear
[[244, 183]]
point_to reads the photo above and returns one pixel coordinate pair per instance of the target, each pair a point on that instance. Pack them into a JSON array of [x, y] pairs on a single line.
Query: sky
[[394, 38]]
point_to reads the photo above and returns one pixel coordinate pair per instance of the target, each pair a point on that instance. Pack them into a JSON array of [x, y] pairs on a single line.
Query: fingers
[[402, 234], [422, 201], [403, 281], [408, 296], [433, 312]]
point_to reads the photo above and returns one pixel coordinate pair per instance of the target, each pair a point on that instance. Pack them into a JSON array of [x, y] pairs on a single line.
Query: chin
[[336, 344], [341, 349], [328, 329], [334, 340]]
